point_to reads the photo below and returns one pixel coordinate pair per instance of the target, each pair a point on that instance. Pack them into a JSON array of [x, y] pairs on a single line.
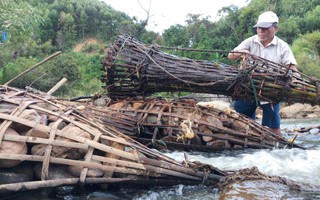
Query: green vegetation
[[38, 28]]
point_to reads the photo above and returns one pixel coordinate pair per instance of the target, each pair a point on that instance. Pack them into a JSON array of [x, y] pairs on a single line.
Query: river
[[295, 164]]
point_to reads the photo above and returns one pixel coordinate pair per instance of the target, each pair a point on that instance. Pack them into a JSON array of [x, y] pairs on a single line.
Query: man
[[266, 45]]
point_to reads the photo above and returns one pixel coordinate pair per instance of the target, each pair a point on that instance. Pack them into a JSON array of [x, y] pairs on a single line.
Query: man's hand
[[294, 70], [296, 73], [235, 55]]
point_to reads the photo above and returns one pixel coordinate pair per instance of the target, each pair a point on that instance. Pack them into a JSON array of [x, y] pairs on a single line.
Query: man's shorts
[[270, 115]]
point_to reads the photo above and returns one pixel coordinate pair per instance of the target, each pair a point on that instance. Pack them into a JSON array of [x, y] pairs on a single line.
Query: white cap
[[266, 20]]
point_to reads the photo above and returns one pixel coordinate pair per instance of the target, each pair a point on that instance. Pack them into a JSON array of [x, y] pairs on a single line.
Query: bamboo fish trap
[[41, 130], [184, 124], [134, 69]]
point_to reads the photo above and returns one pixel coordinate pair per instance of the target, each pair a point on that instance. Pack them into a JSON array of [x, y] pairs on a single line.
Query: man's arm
[[294, 69], [235, 55]]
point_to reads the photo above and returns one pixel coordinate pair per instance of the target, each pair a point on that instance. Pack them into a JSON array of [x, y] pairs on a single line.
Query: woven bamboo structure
[[135, 69], [50, 132], [184, 125], [36, 129]]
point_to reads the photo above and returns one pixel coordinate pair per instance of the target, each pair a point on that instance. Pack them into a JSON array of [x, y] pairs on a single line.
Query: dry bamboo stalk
[[46, 163], [217, 176], [117, 162], [48, 149], [57, 86], [111, 150], [37, 140], [70, 162], [32, 185], [8, 99], [88, 158], [157, 171]]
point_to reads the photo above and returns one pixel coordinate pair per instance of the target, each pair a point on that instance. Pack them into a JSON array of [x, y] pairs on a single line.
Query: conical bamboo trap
[[186, 125], [135, 69]]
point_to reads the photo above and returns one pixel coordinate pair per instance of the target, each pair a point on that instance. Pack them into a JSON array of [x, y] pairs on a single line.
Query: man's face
[[267, 34]]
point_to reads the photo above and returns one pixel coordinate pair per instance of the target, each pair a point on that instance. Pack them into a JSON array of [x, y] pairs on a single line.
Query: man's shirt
[[277, 50]]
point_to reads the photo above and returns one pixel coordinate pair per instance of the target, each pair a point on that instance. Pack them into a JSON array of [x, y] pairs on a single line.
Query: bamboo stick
[[32, 185], [57, 86]]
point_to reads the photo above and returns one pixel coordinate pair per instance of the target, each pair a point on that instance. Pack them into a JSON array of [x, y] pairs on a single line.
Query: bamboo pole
[[32, 185], [57, 86]]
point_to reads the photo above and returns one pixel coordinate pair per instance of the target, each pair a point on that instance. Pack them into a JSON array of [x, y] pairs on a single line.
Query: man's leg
[[271, 117], [247, 108]]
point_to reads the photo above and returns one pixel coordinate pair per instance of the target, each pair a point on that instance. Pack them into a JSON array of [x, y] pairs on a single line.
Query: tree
[[306, 49], [176, 36], [66, 31], [311, 21], [19, 19]]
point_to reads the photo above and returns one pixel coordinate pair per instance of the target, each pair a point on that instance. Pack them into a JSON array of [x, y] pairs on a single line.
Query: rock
[[291, 111], [314, 131], [300, 111], [100, 102], [11, 147], [220, 105], [11, 177], [312, 115], [21, 173], [55, 172], [92, 172]]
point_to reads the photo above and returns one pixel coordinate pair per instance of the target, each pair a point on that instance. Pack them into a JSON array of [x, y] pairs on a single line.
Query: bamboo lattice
[[135, 69], [184, 125], [55, 133]]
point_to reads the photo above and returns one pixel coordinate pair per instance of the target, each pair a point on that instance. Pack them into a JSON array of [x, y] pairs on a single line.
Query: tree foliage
[[307, 51]]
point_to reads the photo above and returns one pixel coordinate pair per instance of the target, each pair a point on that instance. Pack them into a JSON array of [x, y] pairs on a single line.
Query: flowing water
[[295, 164]]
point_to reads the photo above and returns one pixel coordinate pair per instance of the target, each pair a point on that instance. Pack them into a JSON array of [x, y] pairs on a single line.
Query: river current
[[295, 164]]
